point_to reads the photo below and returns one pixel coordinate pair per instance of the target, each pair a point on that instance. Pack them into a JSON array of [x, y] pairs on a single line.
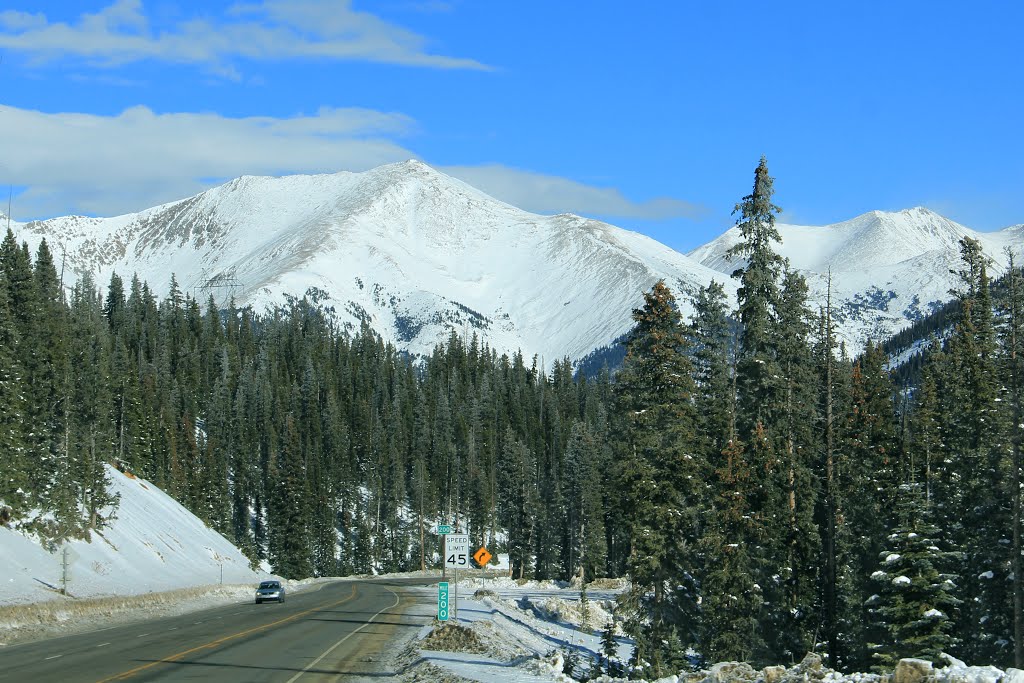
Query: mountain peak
[[415, 171], [411, 167], [415, 164], [918, 223], [404, 247]]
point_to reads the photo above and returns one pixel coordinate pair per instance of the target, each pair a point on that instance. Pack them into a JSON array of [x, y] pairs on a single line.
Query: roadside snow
[[526, 630], [157, 559], [154, 559], [513, 631], [152, 545]]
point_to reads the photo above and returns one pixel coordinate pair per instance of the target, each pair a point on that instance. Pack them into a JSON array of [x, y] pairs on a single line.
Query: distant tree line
[[766, 495]]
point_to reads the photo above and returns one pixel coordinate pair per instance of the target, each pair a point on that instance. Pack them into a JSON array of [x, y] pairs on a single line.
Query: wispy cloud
[[106, 79], [269, 30], [553, 194], [108, 165]]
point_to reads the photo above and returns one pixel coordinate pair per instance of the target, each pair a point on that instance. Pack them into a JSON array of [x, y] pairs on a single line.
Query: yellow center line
[[220, 641]]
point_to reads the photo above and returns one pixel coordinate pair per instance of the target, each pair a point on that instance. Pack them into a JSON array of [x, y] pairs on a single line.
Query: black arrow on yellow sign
[[482, 557]]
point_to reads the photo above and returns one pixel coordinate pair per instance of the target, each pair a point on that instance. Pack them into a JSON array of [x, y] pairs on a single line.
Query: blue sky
[[649, 115]]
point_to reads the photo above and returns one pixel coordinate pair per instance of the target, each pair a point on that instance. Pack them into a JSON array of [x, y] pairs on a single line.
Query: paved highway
[[335, 631]]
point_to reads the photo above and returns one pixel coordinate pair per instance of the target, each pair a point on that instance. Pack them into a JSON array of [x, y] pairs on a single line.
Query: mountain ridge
[[884, 269], [407, 249], [415, 254]]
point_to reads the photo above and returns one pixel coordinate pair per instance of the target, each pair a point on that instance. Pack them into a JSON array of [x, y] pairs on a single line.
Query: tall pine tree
[[662, 473]]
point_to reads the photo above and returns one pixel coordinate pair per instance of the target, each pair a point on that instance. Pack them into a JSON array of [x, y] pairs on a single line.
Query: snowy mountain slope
[[153, 544], [415, 254], [411, 251], [887, 269]]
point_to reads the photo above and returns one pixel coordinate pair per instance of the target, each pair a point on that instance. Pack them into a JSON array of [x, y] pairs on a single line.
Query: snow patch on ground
[[154, 559], [152, 545], [509, 631]]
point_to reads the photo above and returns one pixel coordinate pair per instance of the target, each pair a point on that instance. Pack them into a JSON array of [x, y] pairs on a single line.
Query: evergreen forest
[[766, 495]]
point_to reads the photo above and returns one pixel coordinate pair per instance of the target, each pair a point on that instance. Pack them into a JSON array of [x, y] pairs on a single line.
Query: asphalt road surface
[[335, 631]]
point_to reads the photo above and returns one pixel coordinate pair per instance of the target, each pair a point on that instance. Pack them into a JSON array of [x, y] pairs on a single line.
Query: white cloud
[[21, 21], [553, 194], [107, 165], [270, 30]]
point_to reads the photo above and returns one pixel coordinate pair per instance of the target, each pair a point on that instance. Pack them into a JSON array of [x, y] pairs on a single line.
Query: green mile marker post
[[442, 601]]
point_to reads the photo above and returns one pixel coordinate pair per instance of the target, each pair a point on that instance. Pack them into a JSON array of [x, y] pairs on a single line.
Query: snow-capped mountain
[[411, 251], [416, 253], [887, 268]]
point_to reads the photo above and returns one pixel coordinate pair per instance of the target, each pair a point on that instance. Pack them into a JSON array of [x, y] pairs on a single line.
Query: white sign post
[[456, 554]]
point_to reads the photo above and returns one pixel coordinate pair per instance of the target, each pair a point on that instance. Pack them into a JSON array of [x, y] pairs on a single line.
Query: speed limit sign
[[456, 550]]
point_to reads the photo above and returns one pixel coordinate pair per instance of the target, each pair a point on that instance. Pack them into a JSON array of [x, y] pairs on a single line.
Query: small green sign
[[442, 601], [444, 528]]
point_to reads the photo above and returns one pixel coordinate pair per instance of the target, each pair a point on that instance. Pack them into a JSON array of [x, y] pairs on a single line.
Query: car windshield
[[270, 584]]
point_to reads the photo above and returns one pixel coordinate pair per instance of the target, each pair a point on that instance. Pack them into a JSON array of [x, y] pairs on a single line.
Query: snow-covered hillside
[[887, 269], [153, 544], [410, 250], [416, 254]]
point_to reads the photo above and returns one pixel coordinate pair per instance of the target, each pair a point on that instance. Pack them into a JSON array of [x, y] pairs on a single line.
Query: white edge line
[[55, 656], [333, 647]]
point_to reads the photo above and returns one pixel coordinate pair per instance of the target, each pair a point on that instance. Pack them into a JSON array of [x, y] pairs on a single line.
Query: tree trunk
[[120, 433], [1018, 586], [423, 559], [92, 475], [1015, 379], [831, 602]]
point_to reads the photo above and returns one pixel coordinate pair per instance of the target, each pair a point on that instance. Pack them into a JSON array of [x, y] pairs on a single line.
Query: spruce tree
[[711, 335], [841, 605], [758, 297], [423, 498], [46, 390], [870, 473], [21, 289], [971, 484], [661, 473], [517, 477], [610, 662], [1012, 367], [916, 600], [797, 557], [13, 465], [772, 365], [927, 449], [584, 519], [731, 599], [291, 548], [91, 428]]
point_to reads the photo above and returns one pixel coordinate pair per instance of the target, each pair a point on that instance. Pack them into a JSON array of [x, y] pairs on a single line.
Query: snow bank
[[154, 559], [533, 631], [152, 545]]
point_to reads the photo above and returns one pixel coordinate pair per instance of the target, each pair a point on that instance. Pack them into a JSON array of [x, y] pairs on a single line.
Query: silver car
[[269, 590]]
